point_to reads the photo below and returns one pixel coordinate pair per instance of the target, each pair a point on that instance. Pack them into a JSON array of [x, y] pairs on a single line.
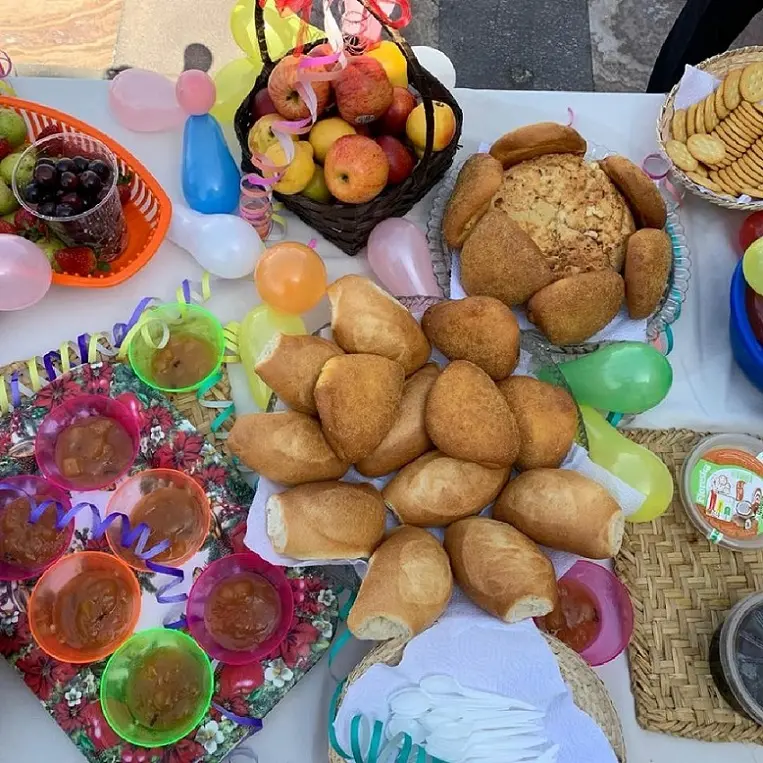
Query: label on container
[[727, 488]]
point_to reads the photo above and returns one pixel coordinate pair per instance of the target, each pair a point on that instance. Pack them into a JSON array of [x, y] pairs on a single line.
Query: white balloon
[[225, 245], [437, 63]]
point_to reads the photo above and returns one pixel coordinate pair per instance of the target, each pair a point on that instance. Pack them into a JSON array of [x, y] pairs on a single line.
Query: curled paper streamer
[[570, 116], [255, 724], [6, 65]]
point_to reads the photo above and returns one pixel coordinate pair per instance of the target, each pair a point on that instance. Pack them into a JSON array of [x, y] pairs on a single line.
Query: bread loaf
[[535, 140]]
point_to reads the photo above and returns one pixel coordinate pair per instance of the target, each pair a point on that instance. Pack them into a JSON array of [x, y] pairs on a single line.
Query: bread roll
[[358, 397], [642, 195], [500, 569], [407, 587], [286, 447], [648, 261], [468, 418], [481, 330], [326, 520], [535, 140], [290, 365], [365, 318], [436, 490], [408, 438], [547, 420], [563, 509]]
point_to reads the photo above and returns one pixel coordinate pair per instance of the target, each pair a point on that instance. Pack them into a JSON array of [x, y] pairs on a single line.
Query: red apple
[[394, 118], [263, 104], [356, 169], [283, 92], [363, 91], [401, 161]]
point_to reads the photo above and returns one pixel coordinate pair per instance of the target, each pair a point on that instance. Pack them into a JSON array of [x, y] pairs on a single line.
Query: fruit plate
[[147, 213]]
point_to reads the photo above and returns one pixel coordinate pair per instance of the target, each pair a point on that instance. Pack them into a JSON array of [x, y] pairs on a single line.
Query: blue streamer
[[255, 724], [83, 342], [47, 361], [120, 330], [15, 391]]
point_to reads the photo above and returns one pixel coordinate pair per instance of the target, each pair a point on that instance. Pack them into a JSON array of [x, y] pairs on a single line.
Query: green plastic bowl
[[126, 662], [176, 317]]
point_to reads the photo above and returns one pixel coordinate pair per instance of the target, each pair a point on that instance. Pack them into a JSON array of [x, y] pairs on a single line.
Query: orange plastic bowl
[[147, 214], [49, 599]]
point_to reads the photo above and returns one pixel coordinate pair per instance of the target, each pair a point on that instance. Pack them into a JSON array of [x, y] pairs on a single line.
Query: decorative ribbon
[[6, 65], [255, 724]]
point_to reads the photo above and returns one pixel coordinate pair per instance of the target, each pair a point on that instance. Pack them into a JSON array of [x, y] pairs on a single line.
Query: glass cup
[[101, 227]]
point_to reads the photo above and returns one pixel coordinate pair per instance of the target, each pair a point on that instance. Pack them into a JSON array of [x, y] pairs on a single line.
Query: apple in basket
[[363, 91], [444, 126], [263, 104], [394, 118], [282, 87], [401, 160], [356, 169]]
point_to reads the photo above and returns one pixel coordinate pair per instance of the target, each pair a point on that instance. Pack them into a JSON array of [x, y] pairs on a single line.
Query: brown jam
[[575, 621], [25, 544], [184, 361], [242, 611], [93, 449]]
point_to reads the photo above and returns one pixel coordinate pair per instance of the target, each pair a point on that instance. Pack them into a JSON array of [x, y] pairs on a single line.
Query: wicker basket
[[349, 225], [719, 66]]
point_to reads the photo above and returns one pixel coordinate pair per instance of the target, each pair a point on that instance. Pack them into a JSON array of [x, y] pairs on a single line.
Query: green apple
[[8, 201], [316, 189], [12, 127], [26, 170]]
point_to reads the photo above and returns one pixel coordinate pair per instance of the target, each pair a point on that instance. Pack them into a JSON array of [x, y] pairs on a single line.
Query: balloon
[[436, 63], [754, 304], [627, 377], [291, 277], [257, 329], [144, 101], [233, 83], [751, 230], [25, 273], [225, 245], [752, 266], [195, 92], [632, 463], [399, 257], [6, 88]]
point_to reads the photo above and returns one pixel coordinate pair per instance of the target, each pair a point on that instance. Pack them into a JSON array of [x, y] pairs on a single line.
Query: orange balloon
[[291, 277]]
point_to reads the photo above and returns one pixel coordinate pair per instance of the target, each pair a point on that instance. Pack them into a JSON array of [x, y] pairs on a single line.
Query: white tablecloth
[[709, 392]]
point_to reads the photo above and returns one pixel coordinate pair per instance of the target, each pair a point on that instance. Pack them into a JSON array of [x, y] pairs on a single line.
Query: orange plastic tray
[[147, 214]]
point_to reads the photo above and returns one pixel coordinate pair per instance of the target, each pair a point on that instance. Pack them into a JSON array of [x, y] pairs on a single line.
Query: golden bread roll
[[535, 140], [365, 318], [642, 195], [468, 418], [326, 520], [481, 330], [408, 438], [286, 447], [358, 397], [500, 260], [573, 309], [563, 509], [436, 490], [547, 420], [407, 587], [290, 365], [500, 569], [647, 268], [479, 178]]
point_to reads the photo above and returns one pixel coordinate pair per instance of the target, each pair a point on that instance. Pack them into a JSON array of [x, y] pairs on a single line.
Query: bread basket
[[718, 66]]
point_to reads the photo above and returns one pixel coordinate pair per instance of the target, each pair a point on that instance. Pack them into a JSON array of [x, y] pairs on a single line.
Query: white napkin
[[694, 87], [483, 653]]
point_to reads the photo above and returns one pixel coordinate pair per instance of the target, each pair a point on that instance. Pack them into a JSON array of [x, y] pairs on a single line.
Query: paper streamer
[[6, 65]]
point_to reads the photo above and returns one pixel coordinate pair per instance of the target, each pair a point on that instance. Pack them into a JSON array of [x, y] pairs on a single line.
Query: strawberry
[[76, 260], [29, 226], [6, 227], [123, 186], [5, 148], [54, 146]]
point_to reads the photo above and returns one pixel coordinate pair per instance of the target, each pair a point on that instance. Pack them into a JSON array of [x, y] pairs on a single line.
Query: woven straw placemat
[[681, 586]]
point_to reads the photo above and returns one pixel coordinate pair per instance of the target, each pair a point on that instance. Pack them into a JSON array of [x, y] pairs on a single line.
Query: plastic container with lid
[[722, 490]]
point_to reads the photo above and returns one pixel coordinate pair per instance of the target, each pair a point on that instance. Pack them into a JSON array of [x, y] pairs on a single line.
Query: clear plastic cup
[[127, 663], [76, 409], [102, 227], [220, 571], [54, 596], [127, 499]]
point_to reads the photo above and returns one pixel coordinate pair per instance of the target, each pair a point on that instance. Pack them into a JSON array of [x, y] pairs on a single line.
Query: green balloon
[[627, 377]]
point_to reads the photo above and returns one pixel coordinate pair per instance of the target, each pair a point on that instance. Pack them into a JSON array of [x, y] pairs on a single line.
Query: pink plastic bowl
[[38, 490], [67, 413], [216, 573]]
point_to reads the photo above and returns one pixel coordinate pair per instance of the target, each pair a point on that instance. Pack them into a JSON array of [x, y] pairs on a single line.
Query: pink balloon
[[144, 101], [399, 257], [196, 92], [25, 273]]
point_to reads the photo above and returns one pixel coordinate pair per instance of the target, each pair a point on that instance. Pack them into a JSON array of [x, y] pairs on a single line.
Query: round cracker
[[751, 82], [731, 139], [731, 96], [750, 110], [740, 175], [678, 126], [727, 182], [743, 118], [754, 193], [720, 106], [701, 170], [752, 169], [680, 156], [732, 121], [711, 118], [699, 116], [705, 182], [691, 120], [706, 148]]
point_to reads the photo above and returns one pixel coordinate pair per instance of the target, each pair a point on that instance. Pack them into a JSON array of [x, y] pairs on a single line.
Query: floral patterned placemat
[[70, 692]]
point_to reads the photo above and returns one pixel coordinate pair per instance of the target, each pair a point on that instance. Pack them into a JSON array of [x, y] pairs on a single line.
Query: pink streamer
[[6, 65]]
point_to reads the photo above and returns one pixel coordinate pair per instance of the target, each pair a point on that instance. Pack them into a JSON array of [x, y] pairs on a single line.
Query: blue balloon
[[210, 175]]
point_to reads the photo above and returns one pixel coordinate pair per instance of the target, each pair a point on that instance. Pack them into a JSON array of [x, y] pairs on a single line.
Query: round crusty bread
[[408, 438], [468, 418], [563, 509], [365, 318], [535, 140], [477, 182], [407, 587], [358, 397], [481, 330], [326, 520], [546, 417], [290, 365], [648, 261], [436, 490], [500, 569], [286, 447], [642, 195]]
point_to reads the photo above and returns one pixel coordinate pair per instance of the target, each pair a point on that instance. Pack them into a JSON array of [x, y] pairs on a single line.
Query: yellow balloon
[[233, 83], [257, 329], [633, 464]]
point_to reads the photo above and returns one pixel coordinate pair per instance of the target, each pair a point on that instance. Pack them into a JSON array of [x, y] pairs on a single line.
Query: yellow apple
[[325, 133], [261, 136], [393, 61], [316, 189], [299, 171], [444, 126]]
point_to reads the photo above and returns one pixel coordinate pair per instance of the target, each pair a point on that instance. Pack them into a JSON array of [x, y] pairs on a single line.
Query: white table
[[709, 392]]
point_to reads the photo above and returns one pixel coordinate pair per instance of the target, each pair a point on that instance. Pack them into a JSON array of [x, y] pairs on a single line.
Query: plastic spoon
[[446, 685]]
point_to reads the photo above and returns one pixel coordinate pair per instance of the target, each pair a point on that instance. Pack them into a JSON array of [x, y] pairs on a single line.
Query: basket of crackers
[[715, 144]]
